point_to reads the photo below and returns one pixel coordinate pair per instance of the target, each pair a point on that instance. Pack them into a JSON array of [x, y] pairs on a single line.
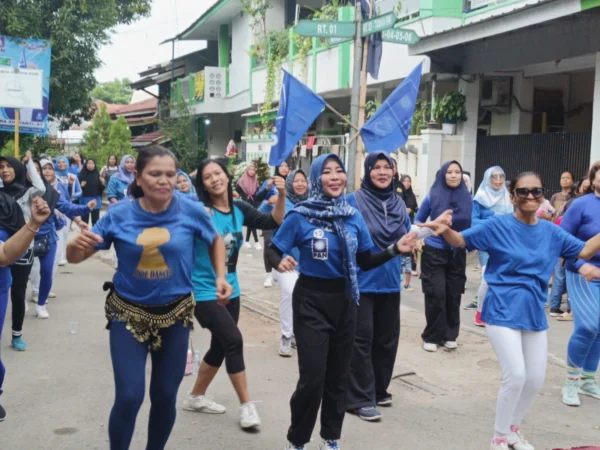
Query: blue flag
[[375, 42], [298, 108], [389, 127]]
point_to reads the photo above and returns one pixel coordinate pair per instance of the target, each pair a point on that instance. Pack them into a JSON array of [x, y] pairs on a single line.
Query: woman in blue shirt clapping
[[150, 306]]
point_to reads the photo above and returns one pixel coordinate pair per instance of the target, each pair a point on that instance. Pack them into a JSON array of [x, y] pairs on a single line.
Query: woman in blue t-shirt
[[120, 181], [333, 242], [150, 306], [378, 316], [443, 267], [523, 252], [582, 219], [214, 187]]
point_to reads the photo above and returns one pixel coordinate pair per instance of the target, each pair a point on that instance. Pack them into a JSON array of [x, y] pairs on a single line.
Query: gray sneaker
[[285, 347], [570, 392]]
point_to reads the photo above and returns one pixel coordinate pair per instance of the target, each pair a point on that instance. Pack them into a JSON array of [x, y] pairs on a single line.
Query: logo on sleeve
[[320, 245]]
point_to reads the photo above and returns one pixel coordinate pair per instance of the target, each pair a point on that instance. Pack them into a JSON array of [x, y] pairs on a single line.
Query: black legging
[[268, 237], [95, 217], [20, 276], [253, 231]]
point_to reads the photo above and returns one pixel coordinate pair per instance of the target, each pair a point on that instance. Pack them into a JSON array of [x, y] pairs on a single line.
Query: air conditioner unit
[[496, 92]]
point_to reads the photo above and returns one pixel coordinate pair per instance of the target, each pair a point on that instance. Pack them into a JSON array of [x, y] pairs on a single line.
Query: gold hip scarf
[[145, 322]]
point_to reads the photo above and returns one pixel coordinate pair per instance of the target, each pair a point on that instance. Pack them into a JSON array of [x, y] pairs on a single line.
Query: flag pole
[[337, 113], [17, 120], [355, 96], [353, 138]]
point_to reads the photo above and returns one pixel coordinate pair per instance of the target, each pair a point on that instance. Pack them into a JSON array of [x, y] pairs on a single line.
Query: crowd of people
[[341, 261]]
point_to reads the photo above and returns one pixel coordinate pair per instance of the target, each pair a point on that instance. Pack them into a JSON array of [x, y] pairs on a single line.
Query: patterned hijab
[[289, 187], [329, 213]]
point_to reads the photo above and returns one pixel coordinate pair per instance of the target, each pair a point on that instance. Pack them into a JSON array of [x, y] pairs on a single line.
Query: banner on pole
[[30, 56]]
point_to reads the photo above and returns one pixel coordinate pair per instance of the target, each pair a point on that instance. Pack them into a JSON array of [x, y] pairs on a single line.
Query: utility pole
[[355, 96]]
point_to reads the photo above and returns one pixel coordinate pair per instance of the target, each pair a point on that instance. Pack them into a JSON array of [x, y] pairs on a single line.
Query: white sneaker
[[41, 312], [247, 245], [451, 345], [329, 445], [249, 417], [51, 295], [570, 393], [290, 446], [34, 297], [517, 441], [257, 246], [268, 280], [202, 403], [285, 347], [499, 446], [429, 347], [62, 262]]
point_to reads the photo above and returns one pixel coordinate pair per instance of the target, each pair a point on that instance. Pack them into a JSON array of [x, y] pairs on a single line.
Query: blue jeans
[[129, 365], [558, 286], [3, 306], [46, 274]]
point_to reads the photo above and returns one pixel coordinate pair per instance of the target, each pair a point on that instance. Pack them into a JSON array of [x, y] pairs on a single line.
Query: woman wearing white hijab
[[492, 198]]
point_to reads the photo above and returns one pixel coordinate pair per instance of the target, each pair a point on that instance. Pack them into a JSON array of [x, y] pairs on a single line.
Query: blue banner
[[299, 106], [26, 54], [388, 129]]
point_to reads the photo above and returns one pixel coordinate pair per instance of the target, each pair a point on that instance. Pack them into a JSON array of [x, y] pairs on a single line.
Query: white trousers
[[287, 281], [483, 288], [61, 244], [523, 356]]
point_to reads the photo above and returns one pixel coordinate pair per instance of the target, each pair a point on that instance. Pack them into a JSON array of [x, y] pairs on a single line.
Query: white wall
[[275, 18], [501, 124], [218, 134], [241, 35], [327, 70]]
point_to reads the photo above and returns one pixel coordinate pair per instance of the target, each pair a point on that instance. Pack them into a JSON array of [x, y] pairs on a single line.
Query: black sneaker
[[554, 312], [2, 413], [368, 413], [385, 401]]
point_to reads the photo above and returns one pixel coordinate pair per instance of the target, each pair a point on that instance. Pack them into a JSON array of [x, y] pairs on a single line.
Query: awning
[[154, 137]]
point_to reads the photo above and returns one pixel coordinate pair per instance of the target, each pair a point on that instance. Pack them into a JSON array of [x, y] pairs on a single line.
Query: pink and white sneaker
[[516, 440], [499, 444]]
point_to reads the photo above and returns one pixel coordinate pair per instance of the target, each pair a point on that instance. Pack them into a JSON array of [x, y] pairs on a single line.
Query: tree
[[116, 91], [120, 137], [104, 138], [77, 30]]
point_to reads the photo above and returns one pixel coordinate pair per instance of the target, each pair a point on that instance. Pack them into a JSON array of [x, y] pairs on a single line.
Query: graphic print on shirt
[[152, 265], [320, 245], [233, 242]]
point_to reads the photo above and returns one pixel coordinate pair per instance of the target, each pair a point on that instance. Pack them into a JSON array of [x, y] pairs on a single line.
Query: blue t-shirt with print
[[522, 258], [5, 276], [320, 249], [155, 251], [384, 279]]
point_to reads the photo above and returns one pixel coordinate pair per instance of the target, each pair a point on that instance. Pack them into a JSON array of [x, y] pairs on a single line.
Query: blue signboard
[[26, 54]]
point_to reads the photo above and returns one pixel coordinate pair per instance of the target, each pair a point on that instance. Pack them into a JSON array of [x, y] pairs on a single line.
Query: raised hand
[[280, 185], [407, 243], [437, 227], [287, 264], [27, 157], [39, 211]]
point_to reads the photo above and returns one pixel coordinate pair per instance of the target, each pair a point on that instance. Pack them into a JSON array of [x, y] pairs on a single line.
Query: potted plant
[[450, 109]]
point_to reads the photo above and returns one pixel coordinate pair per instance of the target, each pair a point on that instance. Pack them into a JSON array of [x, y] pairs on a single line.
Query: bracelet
[[31, 229]]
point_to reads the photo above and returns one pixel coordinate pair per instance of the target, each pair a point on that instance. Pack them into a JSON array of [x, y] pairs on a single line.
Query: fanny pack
[[41, 245]]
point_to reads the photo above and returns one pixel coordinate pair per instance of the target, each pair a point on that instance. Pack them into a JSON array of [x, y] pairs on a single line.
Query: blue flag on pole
[[389, 127], [299, 106]]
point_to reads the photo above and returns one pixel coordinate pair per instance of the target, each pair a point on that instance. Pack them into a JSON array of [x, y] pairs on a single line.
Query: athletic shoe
[[34, 297], [429, 347], [18, 344], [285, 347], [478, 322], [51, 295], [203, 404], [555, 312], [414, 273], [290, 446], [368, 413], [451, 345], [472, 305], [516, 440], [589, 388], [570, 396], [476, 268], [247, 245], [268, 281], [565, 317], [2, 413], [62, 262], [329, 445], [257, 246], [408, 288], [294, 342], [249, 417], [41, 312], [499, 444], [385, 401]]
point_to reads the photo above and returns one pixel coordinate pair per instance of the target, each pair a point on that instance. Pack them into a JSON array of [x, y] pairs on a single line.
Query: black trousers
[[375, 348], [226, 342], [443, 279], [95, 217], [254, 235], [324, 326], [20, 275], [268, 237]]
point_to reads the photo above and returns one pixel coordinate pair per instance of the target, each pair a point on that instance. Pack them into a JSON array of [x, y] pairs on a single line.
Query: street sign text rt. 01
[[315, 28], [378, 24], [400, 36]]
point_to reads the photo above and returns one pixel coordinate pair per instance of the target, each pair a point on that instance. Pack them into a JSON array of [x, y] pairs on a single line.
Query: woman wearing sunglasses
[[523, 251]]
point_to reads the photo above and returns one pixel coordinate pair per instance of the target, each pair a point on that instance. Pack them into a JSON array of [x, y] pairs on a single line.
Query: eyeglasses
[[524, 192], [498, 176]]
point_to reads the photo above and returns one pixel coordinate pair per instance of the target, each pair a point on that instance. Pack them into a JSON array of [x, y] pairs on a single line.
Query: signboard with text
[[325, 29], [379, 23], [400, 36], [21, 88]]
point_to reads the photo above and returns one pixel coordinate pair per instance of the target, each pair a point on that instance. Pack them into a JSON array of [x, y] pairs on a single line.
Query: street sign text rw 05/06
[[378, 24], [400, 36], [315, 28]]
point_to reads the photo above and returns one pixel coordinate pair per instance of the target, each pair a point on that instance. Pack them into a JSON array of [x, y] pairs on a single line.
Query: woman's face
[[529, 204], [585, 184], [215, 180], [381, 174], [130, 164], [407, 183], [566, 181], [300, 185], [91, 165], [6, 172], [77, 158], [182, 184], [333, 179], [284, 169], [498, 179], [453, 175], [251, 170], [158, 178], [112, 161], [49, 173], [62, 165]]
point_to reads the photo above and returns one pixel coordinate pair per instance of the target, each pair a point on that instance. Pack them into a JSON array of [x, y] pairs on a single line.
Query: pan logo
[[320, 245]]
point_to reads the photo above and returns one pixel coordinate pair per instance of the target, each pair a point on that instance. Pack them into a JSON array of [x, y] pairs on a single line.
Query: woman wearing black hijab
[[91, 189]]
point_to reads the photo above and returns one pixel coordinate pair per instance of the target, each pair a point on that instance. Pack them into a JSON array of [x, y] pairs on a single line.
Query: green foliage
[[451, 107], [119, 141], [77, 30], [303, 45], [421, 117], [345, 126], [370, 107], [116, 91], [104, 138], [263, 171], [37, 145]]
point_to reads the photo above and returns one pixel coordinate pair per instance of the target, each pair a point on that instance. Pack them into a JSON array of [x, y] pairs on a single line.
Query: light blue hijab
[[497, 201], [329, 213], [192, 191]]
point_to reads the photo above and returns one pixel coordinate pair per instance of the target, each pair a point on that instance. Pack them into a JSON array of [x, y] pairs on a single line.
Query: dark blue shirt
[[5, 276], [582, 220]]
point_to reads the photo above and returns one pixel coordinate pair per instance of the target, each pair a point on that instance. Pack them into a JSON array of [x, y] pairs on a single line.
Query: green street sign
[[4, 61], [325, 29], [335, 40], [379, 23], [400, 36]]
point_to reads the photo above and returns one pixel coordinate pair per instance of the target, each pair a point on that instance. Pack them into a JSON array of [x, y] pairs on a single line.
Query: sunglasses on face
[[498, 176], [524, 192]]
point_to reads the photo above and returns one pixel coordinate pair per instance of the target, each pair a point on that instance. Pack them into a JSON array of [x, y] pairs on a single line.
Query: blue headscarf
[[443, 197], [383, 210], [329, 214], [497, 201], [192, 191], [289, 187], [65, 172], [122, 174]]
